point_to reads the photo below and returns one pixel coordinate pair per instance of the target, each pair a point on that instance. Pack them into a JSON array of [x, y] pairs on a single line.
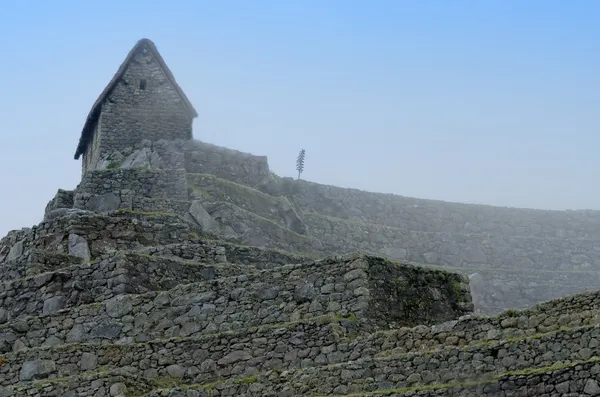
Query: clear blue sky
[[491, 102]]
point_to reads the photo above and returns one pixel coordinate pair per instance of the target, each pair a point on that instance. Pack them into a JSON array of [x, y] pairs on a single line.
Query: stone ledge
[[248, 228], [259, 257], [209, 188]]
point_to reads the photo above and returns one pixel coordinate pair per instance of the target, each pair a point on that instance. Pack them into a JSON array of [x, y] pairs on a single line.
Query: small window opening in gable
[[143, 84]]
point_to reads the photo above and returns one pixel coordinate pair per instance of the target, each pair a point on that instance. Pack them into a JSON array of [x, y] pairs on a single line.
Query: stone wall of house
[[132, 113]]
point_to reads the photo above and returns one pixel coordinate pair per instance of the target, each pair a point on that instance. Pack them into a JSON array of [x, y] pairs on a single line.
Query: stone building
[[141, 102]]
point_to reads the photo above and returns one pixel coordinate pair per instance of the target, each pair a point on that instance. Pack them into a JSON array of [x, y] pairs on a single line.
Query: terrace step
[[200, 359], [528, 367], [577, 379], [347, 286], [97, 234], [472, 363], [115, 382], [113, 274], [207, 250], [36, 261], [179, 312], [313, 355]]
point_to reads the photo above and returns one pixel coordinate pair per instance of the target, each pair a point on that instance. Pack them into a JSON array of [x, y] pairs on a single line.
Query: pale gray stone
[[202, 217], [53, 304], [78, 246], [119, 306], [591, 387], [118, 390], [176, 371], [16, 251], [88, 361], [103, 203], [36, 369]]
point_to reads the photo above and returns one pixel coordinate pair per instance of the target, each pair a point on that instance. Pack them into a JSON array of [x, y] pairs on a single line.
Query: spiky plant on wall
[[300, 162]]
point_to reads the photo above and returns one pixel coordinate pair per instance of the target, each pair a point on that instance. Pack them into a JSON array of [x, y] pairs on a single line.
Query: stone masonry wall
[[576, 380], [287, 347], [471, 363], [109, 276], [108, 190], [99, 234], [458, 250], [132, 114], [229, 164], [439, 216], [198, 360], [195, 156], [286, 294]]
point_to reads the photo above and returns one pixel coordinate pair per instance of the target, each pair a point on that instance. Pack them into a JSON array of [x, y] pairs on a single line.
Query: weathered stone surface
[[202, 217], [78, 247], [36, 369]]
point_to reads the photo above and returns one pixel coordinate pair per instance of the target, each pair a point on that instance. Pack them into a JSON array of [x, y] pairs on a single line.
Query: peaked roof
[[92, 117]]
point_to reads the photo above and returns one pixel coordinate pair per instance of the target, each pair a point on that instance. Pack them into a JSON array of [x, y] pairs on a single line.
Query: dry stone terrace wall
[[194, 156], [511, 271], [232, 165], [258, 257], [121, 231], [286, 294], [208, 188], [35, 262], [109, 190], [193, 360], [457, 250], [472, 363], [108, 277], [439, 216], [577, 380], [103, 383], [247, 228], [494, 291]]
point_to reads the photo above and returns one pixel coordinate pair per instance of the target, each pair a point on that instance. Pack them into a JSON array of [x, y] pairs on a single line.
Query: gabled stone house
[[142, 101]]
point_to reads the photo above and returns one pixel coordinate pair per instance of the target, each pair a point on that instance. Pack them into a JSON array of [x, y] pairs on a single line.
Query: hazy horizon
[[490, 103]]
